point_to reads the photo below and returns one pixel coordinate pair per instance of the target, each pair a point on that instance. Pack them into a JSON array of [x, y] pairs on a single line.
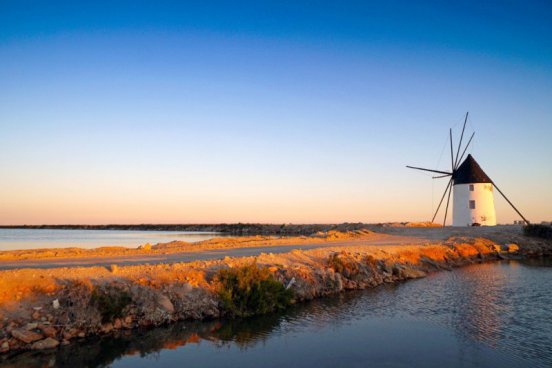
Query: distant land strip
[[232, 228]]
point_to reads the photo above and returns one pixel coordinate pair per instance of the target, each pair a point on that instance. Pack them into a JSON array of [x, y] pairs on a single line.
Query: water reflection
[[506, 306], [476, 303]]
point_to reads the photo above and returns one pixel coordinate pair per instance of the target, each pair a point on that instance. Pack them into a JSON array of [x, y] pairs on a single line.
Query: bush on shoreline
[[343, 264], [250, 290], [538, 230], [110, 301]]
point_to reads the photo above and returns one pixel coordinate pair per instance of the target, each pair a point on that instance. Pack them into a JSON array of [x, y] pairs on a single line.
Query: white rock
[[165, 303], [291, 282], [47, 343], [55, 304]]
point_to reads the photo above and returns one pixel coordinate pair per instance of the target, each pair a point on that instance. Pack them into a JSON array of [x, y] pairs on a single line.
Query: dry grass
[[181, 246]]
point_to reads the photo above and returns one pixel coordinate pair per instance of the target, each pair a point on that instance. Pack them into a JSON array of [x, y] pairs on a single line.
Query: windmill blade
[[435, 171], [511, 204], [441, 176], [441, 202], [451, 154], [461, 136], [446, 209], [464, 152]]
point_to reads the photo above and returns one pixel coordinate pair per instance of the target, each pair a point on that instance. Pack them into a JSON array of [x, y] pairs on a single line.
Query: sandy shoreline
[[179, 251], [381, 235], [43, 307]]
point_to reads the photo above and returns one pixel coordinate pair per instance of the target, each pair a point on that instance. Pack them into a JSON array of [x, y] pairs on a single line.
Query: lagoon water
[[11, 239], [486, 315]]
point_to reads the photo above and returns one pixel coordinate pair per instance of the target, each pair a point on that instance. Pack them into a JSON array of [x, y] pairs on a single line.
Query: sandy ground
[[217, 248], [498, 233]]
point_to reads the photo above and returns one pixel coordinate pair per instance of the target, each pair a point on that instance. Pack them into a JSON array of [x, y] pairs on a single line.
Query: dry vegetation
[[538, 230], [41, 308], [175, 247]]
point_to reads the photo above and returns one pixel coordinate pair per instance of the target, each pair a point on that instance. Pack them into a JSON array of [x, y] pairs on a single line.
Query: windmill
[[473, 199]]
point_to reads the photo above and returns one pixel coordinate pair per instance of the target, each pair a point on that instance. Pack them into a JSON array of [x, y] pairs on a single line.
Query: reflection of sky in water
[[489, 315], [483, 315], [47, 238]]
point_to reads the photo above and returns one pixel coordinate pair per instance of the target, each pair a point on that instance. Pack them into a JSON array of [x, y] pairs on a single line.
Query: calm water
[[489, 315], [43, 238]]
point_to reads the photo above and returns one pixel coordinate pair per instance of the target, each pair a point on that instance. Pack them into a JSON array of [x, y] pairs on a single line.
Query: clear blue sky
[[294, 111]]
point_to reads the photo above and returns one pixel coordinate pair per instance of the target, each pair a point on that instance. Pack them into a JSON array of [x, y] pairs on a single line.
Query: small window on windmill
[[471, 187], [472, 205]]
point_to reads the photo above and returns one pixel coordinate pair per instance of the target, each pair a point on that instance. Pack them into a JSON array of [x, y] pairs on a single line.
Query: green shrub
[[110, 301], [250, 290], [541, 231]]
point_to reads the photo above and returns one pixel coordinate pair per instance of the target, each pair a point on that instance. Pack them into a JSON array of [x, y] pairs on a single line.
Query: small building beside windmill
[[473, 199]]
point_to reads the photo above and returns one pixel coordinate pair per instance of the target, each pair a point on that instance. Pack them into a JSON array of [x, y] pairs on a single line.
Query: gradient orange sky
[[164, 196], [183, 113]]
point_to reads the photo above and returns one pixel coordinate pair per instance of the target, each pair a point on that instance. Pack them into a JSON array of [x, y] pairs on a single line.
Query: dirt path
[[203, 255], [219, 248]]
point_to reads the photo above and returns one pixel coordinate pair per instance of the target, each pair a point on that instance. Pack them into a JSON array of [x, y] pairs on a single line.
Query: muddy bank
[[41, 309]]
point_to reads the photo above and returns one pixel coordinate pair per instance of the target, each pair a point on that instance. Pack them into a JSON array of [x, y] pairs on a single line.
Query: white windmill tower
[[473, 202]]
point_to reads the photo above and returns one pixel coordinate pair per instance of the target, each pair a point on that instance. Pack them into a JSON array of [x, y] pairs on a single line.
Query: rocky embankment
[[43, 308]]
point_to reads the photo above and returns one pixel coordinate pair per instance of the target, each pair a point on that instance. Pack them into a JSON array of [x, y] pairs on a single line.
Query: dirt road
[[203, 255], [235, 247]]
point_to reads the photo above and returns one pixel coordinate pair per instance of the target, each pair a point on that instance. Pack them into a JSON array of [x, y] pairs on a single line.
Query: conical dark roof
[[470, 172]]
